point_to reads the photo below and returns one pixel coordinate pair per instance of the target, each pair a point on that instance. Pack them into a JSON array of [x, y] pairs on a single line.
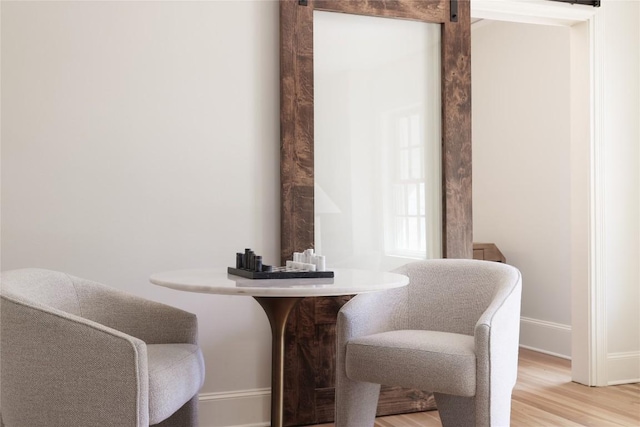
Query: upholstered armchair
[[453, 330], [76, 353]]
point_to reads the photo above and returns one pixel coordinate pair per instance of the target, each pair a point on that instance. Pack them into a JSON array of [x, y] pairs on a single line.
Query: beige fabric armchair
[[76, 353], [453, 330]]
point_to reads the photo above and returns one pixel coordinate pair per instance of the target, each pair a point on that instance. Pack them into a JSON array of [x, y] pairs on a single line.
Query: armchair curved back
[[451, 295], [99, 303], [50, 288]]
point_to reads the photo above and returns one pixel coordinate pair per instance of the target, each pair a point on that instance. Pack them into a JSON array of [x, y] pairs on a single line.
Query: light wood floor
[[545, 397]]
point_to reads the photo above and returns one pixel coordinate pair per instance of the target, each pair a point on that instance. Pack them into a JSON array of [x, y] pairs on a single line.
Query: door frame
[[588, 321]]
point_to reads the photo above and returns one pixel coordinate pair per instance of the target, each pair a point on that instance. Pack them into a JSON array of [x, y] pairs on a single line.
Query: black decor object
[[594, 3], [250, 266]]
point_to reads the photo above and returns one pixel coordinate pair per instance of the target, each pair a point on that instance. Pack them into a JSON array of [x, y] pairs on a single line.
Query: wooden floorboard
[[544, 396]]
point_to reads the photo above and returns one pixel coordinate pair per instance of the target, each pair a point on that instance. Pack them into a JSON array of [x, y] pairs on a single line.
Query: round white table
[[277, 297]]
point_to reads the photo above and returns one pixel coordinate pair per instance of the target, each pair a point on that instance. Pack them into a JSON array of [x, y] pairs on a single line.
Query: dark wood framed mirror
[[310, 337]]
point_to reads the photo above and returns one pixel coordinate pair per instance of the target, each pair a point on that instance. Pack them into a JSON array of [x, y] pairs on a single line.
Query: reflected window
[[405, 224]]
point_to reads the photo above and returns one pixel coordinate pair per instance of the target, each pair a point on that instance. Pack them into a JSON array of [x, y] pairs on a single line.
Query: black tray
[[280, 273]]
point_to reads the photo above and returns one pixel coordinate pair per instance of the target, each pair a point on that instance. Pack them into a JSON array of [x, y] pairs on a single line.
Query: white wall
[[521, 173], [621, 128], [144, 136]]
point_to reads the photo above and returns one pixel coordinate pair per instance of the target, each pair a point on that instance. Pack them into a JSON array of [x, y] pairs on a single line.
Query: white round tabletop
[[218, 281]]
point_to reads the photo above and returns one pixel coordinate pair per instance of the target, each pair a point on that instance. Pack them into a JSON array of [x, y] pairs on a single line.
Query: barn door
[[310, 335]]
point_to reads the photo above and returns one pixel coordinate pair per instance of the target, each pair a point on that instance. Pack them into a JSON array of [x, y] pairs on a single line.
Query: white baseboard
[[623, 368], [242, 408], [546, 337]]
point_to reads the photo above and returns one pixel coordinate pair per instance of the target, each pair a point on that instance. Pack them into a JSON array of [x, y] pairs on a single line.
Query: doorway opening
[[580, 300]]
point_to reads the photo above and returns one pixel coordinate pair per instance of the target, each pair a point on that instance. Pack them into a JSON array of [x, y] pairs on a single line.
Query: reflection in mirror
[[377, 140]]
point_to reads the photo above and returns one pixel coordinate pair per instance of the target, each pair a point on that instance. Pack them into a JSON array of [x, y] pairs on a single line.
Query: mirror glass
[[377, 136]]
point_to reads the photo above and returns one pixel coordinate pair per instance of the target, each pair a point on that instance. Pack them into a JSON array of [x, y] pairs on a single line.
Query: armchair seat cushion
[[427, 360], [176, 373]]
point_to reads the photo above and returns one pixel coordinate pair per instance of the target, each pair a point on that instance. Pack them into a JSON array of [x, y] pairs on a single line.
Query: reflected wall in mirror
[[377, 135]]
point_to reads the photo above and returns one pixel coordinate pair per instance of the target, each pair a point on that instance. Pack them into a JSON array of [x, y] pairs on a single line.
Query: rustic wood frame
[[297, 159], [296, 115]]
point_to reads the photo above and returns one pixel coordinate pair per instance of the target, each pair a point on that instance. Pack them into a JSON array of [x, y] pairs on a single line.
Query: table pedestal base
[[277, 310]]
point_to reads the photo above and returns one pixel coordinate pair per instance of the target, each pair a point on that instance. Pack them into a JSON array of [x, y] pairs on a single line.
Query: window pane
[[416, 138], [401, 232], [403, 132], [404, 164], [416, 163], [413, 233], [412, 199], [400, 200]]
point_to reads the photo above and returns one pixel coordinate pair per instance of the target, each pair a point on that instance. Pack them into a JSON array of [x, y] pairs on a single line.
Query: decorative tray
[[280, 273], [305, 265]]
